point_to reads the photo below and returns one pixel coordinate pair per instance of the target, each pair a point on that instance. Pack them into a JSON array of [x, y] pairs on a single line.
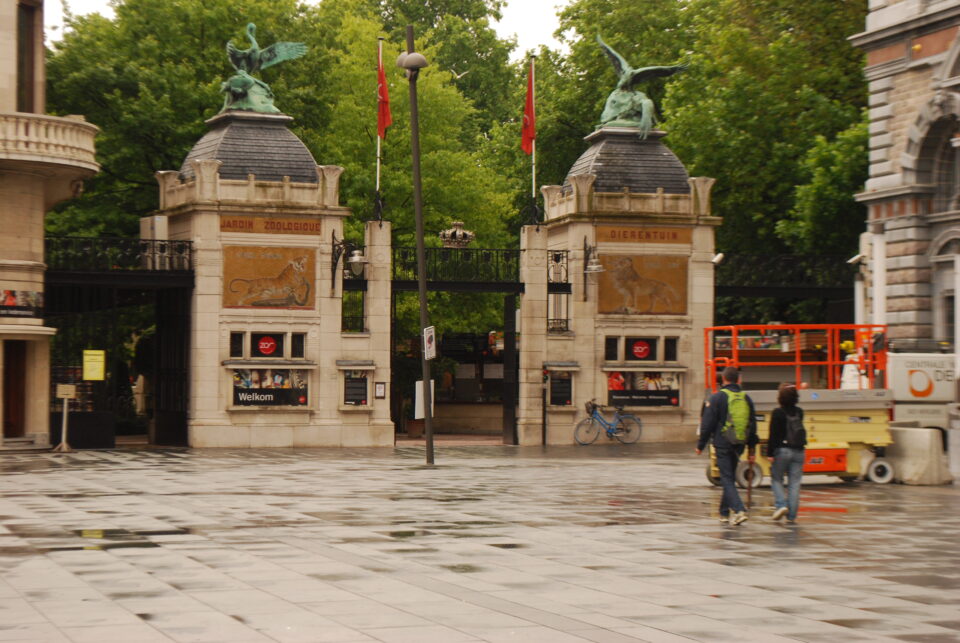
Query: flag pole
[[379, 140], [533, 154]]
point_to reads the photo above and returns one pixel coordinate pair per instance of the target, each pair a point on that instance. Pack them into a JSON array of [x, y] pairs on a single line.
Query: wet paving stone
[[604, 543]]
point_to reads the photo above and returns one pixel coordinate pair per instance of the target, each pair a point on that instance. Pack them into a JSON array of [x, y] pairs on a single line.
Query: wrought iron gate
[[130, 298]]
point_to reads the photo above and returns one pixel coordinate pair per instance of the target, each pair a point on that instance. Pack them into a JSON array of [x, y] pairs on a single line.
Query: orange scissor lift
[[840, 372]]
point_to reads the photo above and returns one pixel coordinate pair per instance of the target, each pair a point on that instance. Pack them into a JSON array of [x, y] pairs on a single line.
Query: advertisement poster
[[642, 285], [268, 277], [269, 387], [21, 303], [643, 388]]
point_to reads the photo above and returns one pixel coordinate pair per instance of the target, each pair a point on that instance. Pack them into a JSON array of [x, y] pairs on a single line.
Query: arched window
[[944, 251], [944, 169]]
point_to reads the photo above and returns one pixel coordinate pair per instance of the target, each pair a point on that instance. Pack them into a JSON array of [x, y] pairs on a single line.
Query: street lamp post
[[413, 62]]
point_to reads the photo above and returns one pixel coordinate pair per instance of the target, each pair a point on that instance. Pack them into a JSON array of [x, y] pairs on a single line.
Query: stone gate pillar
[[638, 237], [273, 361]]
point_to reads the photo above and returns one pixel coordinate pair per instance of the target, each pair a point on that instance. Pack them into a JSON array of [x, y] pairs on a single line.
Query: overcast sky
[[531, 21]]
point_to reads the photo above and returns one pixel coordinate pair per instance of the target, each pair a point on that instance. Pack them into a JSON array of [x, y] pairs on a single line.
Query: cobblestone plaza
[[602, 543]]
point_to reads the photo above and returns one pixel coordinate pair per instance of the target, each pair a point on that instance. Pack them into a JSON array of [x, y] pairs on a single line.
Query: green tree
[[826, 219], [148, 79], [766, 78]]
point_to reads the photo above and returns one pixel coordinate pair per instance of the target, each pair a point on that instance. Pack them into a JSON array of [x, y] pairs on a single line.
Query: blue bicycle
[[624, 427]]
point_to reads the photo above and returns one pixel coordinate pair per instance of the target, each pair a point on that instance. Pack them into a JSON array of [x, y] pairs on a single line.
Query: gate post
[[510, 369], [533, 326]]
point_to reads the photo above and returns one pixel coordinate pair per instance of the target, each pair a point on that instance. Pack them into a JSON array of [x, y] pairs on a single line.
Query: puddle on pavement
[[463, 569], [412, 533]]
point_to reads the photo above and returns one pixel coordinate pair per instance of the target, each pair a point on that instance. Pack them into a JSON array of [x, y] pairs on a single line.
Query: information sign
[[94, 364]]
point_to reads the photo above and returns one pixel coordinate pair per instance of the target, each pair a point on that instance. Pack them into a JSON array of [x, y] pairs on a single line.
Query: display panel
[[270, 387], [355, 388], [643, 388], [641, 349], [266, 344]]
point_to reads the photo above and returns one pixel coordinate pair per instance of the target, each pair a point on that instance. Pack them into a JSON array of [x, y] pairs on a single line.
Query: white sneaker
[[779, 513], [737, 518], [724, 520]]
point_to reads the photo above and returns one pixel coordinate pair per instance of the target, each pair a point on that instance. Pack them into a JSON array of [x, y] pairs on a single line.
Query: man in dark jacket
[[728, 455]]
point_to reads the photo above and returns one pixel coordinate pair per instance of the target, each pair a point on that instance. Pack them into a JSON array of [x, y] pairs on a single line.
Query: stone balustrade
[[581, 198], [55, 140], [206, 185]]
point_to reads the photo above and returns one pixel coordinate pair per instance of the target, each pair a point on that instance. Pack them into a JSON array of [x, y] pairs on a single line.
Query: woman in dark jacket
[[785, 448]]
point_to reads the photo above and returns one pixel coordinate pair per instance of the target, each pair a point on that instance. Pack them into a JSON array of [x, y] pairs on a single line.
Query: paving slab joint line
[[480, 599]]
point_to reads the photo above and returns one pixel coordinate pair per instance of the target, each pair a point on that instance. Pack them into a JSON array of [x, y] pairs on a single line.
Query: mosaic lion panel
[[643, 285], [268, 277]]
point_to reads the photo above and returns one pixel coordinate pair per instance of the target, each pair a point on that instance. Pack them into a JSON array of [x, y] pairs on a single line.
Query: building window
[[561, 388], [949, 319], [236, 344], [297, 345], [670, 349], [27, 16], [351, 309], [558, 313], [611, 349], [641, 349], [945, 170], [267, 345]]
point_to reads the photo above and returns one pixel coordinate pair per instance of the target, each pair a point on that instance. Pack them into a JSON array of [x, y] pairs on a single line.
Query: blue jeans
[[790, 462], [727, 460]]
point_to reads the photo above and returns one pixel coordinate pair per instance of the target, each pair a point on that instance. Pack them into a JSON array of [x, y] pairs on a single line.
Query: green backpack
[[738, 417]]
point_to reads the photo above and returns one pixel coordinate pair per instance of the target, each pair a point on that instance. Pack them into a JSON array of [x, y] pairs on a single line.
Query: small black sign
[[355, 391], [561, 388]]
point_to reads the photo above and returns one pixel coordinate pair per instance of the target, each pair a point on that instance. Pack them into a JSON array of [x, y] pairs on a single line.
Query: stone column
[[377, 310], [533, 333]]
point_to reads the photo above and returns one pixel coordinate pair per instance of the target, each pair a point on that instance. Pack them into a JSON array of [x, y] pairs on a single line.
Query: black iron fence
[[786, 271], [114, 253], [459, 264]]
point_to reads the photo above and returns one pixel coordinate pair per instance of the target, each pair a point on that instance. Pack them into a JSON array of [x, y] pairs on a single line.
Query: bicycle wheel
[[587, 431], [628, 431]]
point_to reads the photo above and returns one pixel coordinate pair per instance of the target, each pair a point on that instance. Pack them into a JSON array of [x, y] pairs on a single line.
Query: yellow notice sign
[[94, 365]]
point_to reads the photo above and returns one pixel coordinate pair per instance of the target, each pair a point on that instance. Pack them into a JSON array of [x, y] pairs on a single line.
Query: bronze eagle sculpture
[[626, 106]]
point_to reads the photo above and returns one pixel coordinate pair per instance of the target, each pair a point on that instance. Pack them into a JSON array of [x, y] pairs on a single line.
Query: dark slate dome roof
[[621, 159], [252, 143]]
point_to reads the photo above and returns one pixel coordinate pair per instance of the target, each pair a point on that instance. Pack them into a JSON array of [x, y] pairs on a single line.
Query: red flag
[[384, 119], [529, 134]]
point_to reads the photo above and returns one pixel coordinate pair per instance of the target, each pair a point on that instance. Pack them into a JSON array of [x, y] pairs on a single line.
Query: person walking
[[785, 449], [729, 421]]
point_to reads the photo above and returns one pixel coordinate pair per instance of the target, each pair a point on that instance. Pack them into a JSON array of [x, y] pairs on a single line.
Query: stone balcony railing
[[52, 140]]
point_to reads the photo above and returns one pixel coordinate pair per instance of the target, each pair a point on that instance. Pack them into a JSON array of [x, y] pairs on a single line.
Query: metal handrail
[[117, 253], [459, 265]]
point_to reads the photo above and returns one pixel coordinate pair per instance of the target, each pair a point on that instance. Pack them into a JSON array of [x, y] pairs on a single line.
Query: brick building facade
[[911, 248]]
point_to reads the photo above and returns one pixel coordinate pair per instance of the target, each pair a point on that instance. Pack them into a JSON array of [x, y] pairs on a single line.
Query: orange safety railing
[[798, 346]]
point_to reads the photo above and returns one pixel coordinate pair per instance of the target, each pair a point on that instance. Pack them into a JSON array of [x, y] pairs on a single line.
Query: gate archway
[[131, 299]]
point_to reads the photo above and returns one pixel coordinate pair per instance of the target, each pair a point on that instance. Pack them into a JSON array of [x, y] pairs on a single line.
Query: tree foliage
[[770, 105]]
